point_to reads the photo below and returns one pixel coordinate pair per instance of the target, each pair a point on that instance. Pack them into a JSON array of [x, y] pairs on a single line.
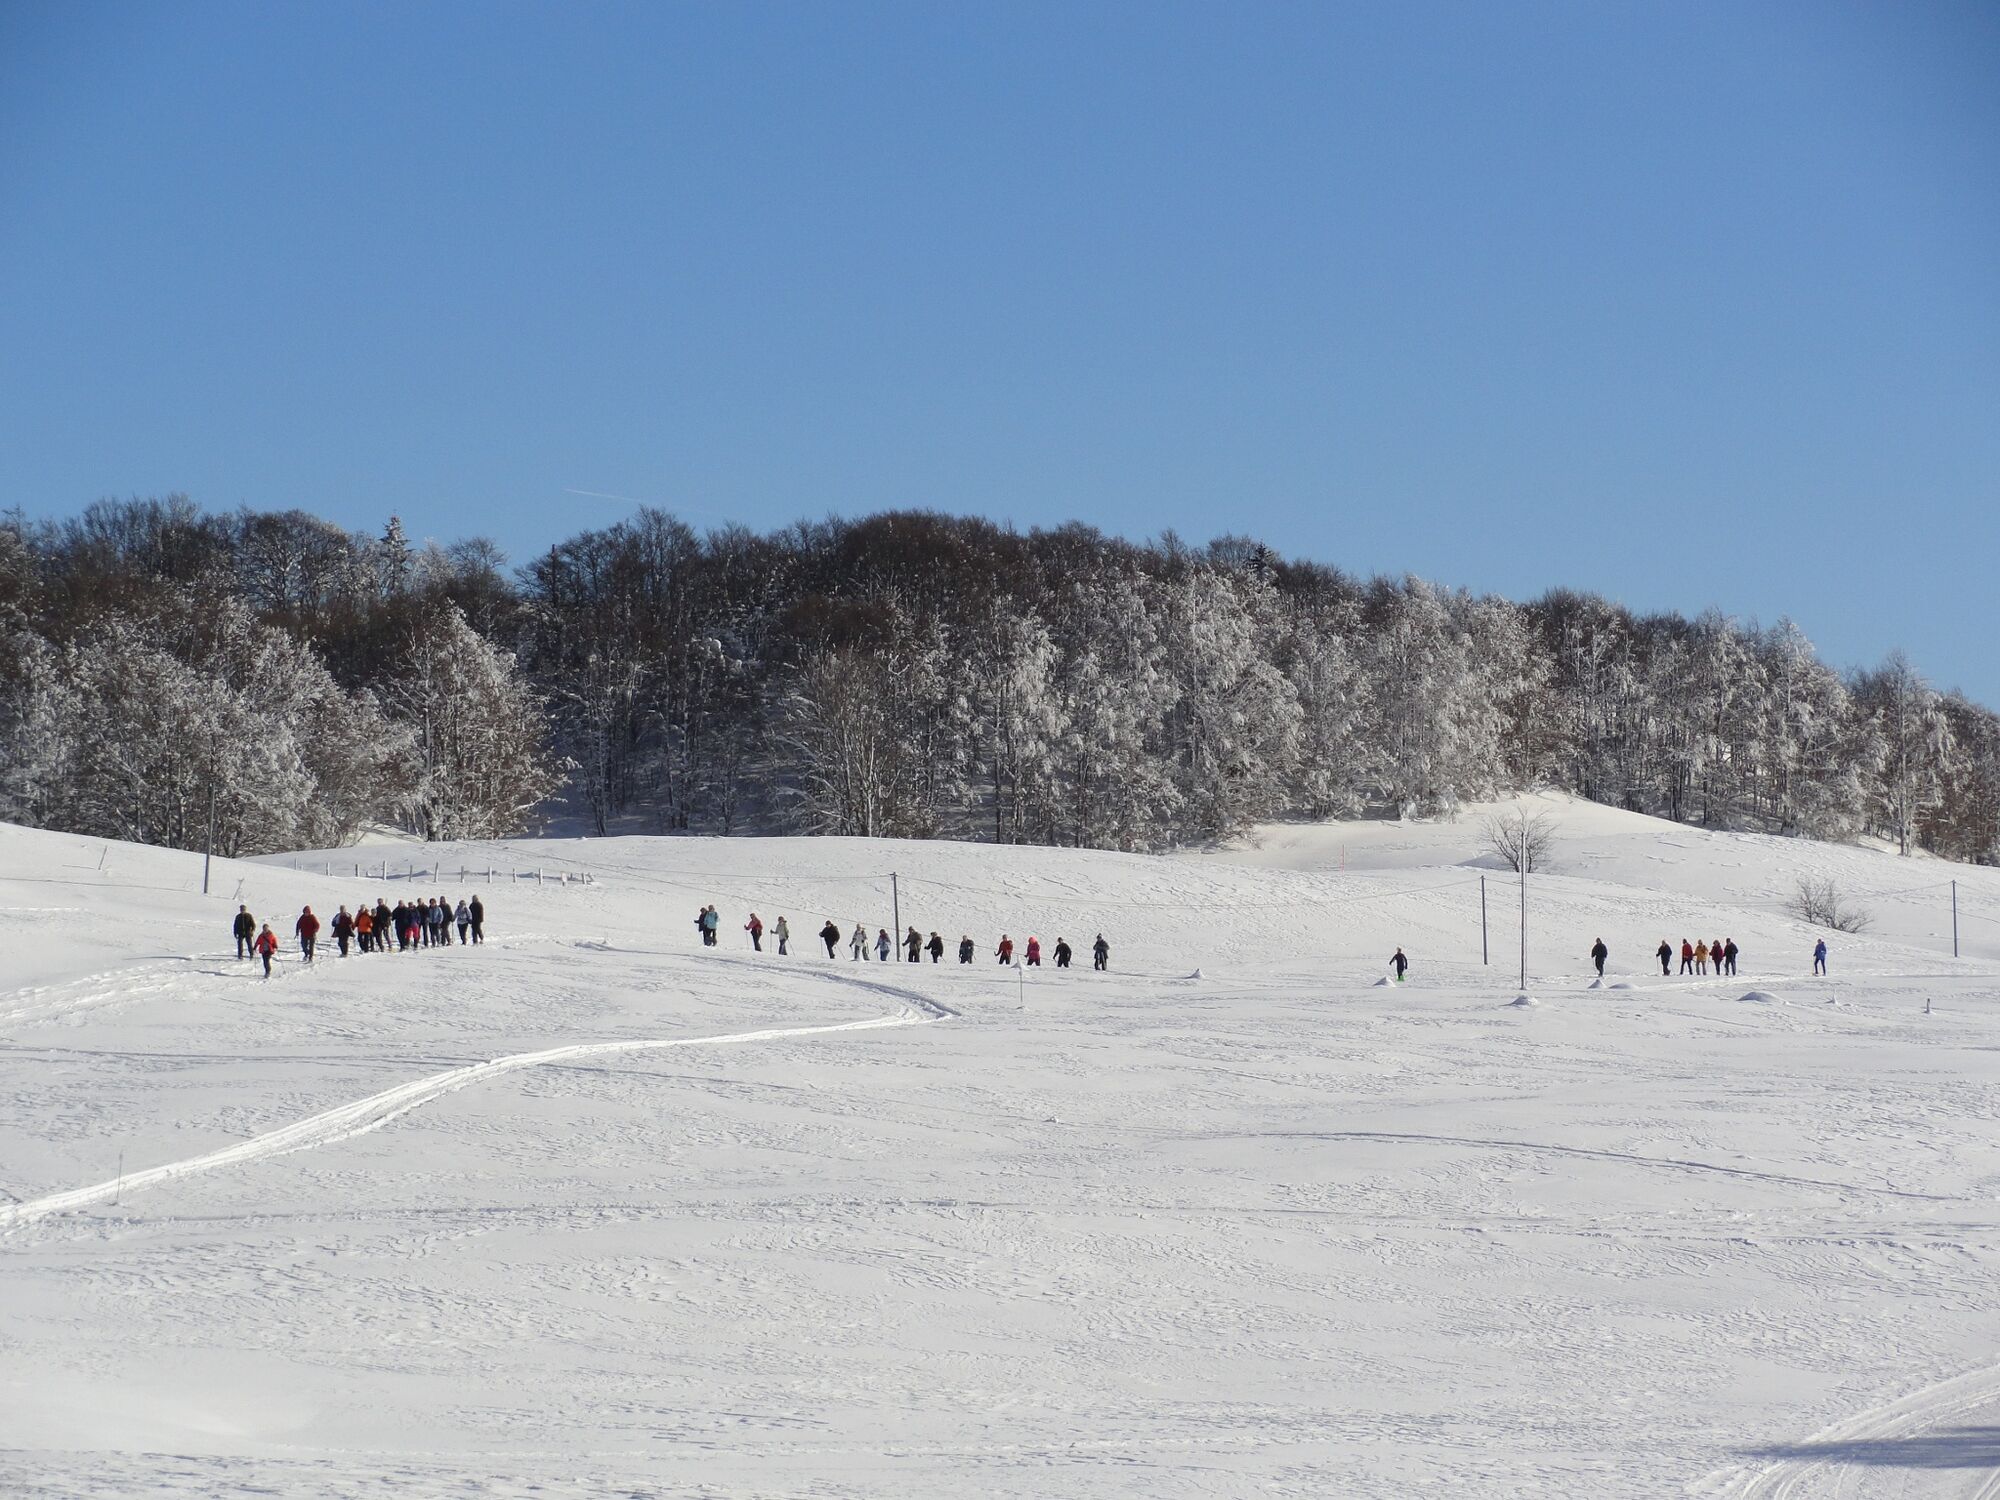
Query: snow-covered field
[[593, 1210]]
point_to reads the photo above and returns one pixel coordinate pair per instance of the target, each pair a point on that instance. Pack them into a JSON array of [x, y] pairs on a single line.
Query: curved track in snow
[[363, 1115]]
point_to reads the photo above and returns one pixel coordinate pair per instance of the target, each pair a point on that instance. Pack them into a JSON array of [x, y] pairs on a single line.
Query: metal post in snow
[[895, 909], [1485, 953], [1954, 919], [1524, 912], [208, 854]]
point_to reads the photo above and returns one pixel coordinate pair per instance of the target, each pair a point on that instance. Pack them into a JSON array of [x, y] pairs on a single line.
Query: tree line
[[908, 674]]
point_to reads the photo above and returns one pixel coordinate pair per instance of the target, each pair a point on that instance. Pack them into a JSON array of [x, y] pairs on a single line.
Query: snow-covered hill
[[593, 1209]]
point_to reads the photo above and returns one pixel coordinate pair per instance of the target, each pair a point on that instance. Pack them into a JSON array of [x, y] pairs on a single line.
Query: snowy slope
[[593, 1208]]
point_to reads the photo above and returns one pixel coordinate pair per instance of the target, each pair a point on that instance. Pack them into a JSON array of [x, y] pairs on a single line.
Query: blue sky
[[1691, 304]]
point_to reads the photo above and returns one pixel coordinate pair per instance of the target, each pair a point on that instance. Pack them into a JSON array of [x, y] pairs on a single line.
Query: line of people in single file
[[882, 947]]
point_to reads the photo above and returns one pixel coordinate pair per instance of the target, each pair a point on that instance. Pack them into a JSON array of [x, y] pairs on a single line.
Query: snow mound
[[1523, 1000], [1758, 997], [1383, 982], [1621, 985], [1596, 984]]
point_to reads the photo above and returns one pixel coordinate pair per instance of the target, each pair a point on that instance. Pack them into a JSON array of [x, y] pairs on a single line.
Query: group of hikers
[[1698, 958], [369, 929], [882, 947]]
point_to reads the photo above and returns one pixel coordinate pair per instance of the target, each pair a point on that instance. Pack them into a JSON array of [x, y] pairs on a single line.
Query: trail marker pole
[[896, 908], [208, 854], [1954, 919], [1485, 954], [1524, 920]]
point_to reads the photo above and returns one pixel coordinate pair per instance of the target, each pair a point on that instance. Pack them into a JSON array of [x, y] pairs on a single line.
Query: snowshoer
[[478, 920], [1598, 953], [384, 925], [245, 928], [1819, 956], [463, 916], [1729, 951], [1687, 956], [364, 928], [935, 947], [1006, 949], [1062, 953], [1034, 952], [1401, 964], [783, 933], [858, 944], [343, 930], [830, 935], [712, 927], [1701, 958], [913, 945], [307, 928], [883, 947], [266, 945], [1715, 955], [756, 930], [964, 950], [1100, 953], [1666, 957]]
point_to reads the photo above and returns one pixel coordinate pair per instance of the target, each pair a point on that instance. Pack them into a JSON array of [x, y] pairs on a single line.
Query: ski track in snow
[[345, 1121], [1850, 1457]]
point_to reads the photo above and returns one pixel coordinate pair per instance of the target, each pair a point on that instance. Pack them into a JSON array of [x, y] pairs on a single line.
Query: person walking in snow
[[463, 916], [712, 927], [1715, 955], [859, 942], [307, 927], [935, 947], [1666, 957], [266, 946], [830, 935], [384, 925], [913, 945], [364, 928], [343, 930], [478, 920], [1401, 964], [883, 947], [964, 949], [756, 930], [1819, 956], [782, 933], [1729, 951], [1100, 953], [1598, 953], [1006, 949], [1034, 951], [1687, 956], [245, 928], [1701, 958], [1062, 953]]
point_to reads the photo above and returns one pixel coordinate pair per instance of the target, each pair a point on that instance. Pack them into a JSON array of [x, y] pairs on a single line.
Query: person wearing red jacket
[[307, 929], [265, 946], [1034, 952], [1006, 949]]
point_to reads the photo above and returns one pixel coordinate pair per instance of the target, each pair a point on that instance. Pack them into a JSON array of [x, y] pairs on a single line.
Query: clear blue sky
[[1687, 303]]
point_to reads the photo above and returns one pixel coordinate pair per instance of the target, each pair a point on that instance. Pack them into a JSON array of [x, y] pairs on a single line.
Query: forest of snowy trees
[[901, 675]]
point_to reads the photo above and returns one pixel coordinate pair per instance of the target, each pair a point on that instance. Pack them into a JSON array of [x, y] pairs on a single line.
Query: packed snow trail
[[347, 1120], [1882, 1437]]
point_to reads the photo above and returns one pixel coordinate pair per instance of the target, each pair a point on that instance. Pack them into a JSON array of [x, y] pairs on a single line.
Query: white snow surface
[[592, 1210]]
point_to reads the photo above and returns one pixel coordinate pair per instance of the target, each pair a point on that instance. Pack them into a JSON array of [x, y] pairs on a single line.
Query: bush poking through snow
[[1522, 841], [1820, 902]]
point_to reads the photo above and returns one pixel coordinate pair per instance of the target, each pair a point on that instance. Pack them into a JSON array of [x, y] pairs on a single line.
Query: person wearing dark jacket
[[830, 935], [385, 925], [936, 947], [1666, 956], [245, 928], [965, 950], [1100, 953], [343, 930], [478, 915], [1729, 951], [913, 945], [1400, 964], [1598, 953], [307, 928], [1061, 951]]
